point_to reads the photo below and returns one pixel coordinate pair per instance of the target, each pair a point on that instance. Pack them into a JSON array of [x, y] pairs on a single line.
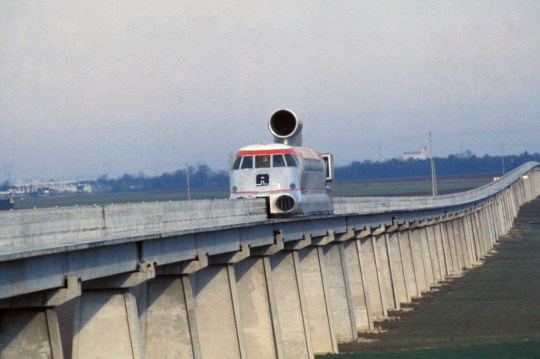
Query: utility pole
[[502, 152], [433, 176], [187, 180]]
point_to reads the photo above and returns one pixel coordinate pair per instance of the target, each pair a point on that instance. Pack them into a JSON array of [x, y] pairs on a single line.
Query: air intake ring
[[285, 203]]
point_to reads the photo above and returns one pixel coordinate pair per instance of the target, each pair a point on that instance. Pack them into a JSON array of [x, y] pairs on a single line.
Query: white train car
[[294, 179]]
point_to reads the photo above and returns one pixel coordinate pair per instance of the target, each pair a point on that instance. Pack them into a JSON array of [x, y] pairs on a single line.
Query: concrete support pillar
[[434, 252], [427, 256], [339, 290], [396, 265], [481, 216], [259, 312], [384, 271], [513, 201], [469, 240], [491, 226], [369, 264], [418, 260], [167, 318], [106, 325], [409, 272], [500, 216], [488, 229], [30, 325], [291, 305], [439, 243], [29, 333], [359, 295], [495, 221], [462, 243], [446, 236], [318, 305], [509, 214], [476, 234], [452, 242], [482, 236], [217, 311]]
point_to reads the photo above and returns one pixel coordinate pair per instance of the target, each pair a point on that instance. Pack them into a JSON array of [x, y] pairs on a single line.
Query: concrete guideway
[[136, 281]]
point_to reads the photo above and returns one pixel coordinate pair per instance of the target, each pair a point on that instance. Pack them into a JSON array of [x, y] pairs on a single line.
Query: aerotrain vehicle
[[294, 179]]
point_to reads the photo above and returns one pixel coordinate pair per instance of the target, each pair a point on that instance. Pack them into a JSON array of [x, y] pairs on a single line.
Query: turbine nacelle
[[286, 128]]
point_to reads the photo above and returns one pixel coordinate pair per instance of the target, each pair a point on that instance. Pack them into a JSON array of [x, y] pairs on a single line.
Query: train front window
[[262, 161], [291, 161], [278, 161], [247, 162], [236, 163]]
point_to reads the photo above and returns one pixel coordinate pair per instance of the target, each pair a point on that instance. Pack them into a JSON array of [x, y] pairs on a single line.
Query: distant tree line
[[453, 165], [203, 176], [200, 177]]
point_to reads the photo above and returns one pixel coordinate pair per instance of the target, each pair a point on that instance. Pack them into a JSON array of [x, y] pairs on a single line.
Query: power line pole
[[502, 152], [433, 176], [187, 180]]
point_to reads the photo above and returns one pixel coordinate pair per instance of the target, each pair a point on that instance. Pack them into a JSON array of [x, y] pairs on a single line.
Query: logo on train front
[[262, 180]]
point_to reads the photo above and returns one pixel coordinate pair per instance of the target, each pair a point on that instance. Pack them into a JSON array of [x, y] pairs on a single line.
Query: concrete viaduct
[[218, 279]]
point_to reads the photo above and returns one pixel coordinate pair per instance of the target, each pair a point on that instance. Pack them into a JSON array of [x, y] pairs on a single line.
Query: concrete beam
[[393, 227], [404, 226], [270, 249], [231, 257], [348, 235], [366, 232], [377, 231], [185, 267], [49, 298], [145, 272], [299, 244], [324, 240]]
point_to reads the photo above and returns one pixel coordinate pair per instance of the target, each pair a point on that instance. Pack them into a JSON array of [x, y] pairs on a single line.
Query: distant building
[[51, 187], [420, 155]]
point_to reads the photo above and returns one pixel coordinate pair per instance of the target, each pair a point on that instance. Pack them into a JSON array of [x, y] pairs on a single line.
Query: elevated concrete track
[[216, 279]]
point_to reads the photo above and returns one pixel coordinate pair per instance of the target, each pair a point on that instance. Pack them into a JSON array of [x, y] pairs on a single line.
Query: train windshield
[[291, 160], [247, 162], [264, 161], [278, 161]]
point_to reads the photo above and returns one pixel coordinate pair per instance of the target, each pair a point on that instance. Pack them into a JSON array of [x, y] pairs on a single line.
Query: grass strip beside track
[[492, 311]]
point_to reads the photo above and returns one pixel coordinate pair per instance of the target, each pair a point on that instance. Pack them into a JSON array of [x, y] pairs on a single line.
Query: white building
[[46, 188], [420, 155]]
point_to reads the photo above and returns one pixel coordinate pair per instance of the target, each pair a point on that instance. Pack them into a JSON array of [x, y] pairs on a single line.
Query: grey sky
[[94, 87]]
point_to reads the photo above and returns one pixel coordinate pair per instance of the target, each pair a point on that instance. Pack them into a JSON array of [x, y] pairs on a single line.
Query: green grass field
[[524, 349], [492, 312]]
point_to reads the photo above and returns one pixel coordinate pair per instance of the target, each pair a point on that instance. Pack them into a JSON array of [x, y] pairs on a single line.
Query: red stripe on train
[[267, 152]]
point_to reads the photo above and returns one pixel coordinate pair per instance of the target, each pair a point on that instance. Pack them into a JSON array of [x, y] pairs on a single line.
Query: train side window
[[278, 161], [247, 162], [236, 163], [262, 161], [291, 161]]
